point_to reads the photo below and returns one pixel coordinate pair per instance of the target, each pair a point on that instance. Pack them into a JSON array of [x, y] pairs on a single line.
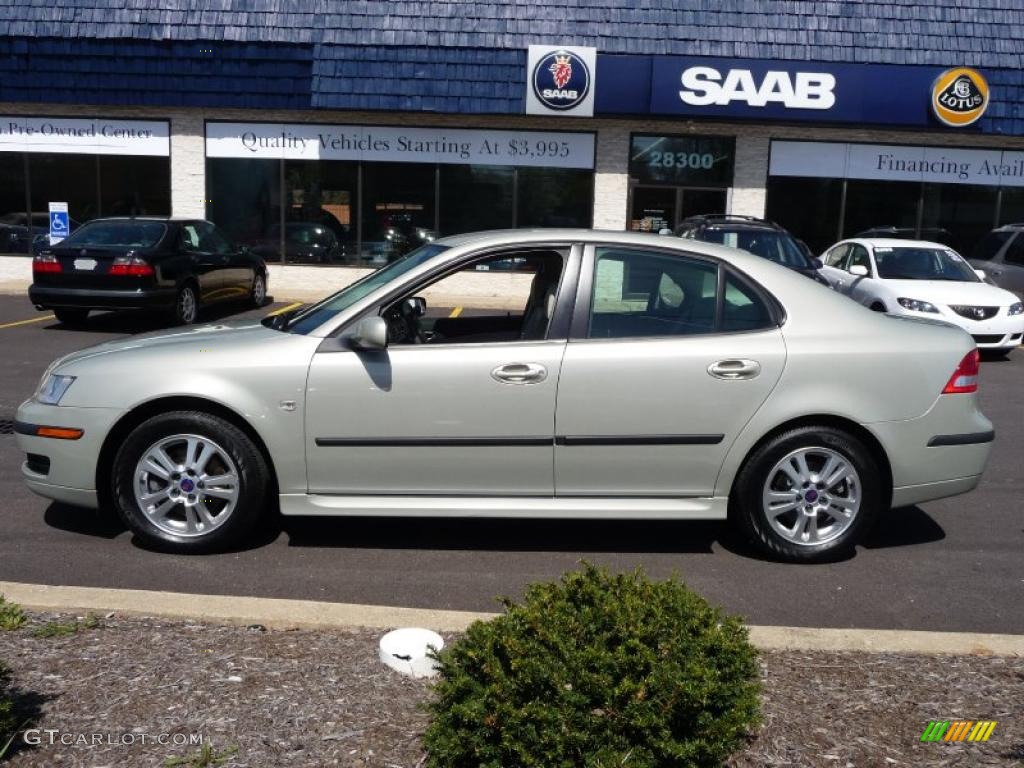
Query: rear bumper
[[47, 297]]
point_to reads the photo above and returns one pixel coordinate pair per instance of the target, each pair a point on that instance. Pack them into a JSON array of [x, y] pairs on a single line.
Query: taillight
[[132, 266], [45, 263], [965, 377]]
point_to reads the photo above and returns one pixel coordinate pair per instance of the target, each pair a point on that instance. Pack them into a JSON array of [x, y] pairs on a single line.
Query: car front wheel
[[807, 494], [188, 481]]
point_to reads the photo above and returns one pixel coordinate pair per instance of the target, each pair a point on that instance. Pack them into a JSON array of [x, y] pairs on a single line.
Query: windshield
[[318, 314], [117, 234], [923, 264], [779, 247]]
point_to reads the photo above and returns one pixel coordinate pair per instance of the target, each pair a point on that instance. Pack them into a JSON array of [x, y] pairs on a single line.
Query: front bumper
[[71, 472], [50, 296]]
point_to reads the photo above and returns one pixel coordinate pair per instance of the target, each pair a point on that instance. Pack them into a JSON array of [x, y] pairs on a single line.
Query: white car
[[922, 279]]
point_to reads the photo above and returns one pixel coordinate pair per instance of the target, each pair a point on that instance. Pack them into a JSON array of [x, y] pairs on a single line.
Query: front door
[[656, 382], [462, 400]]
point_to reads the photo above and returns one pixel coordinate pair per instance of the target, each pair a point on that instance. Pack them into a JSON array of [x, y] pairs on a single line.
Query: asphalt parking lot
[[951, 565]]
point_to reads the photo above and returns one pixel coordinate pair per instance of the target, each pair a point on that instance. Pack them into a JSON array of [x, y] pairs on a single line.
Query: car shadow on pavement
[[904, 527], [505, 534], [84, 521]]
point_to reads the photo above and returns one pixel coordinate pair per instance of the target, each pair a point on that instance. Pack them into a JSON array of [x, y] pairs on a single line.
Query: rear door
[[207, 267], [236, 272], [670, 356]]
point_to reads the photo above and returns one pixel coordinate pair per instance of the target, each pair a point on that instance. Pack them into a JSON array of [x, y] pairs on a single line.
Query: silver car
[[546, 373]]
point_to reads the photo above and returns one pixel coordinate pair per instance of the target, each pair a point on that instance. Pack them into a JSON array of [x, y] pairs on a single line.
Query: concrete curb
[[279, 613]]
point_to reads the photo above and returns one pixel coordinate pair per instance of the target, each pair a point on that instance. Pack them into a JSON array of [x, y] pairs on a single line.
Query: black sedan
[[170, 264]]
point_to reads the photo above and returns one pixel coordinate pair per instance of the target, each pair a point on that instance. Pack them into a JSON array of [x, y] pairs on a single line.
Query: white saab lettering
[[704, 87]]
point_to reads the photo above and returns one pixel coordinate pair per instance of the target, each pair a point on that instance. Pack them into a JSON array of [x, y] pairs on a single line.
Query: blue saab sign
[[792, 91]]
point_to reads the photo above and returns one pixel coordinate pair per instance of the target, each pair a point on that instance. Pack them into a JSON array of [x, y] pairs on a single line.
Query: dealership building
[[378, 124]]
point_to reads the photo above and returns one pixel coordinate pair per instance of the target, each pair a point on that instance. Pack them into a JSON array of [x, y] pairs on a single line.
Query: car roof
[[528, 237], [895, 242]]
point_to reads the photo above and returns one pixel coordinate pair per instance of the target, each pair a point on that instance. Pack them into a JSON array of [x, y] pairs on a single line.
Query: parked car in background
[[162, 263], [1001, 255], [634, 376], [18, 236], [931, 234], [757, 236], [304, 243], [924, 279]]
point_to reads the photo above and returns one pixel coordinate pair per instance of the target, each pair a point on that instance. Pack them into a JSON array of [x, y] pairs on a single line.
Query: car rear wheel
[[188, 481], [186, 305], [807, 494], [258, 292], [71, 316]]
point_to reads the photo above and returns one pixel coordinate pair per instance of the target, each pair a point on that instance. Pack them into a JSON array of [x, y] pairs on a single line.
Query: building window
[[476, 197], [398, 209], [703, 161], [554, 197], [826, 191], [244, 200]]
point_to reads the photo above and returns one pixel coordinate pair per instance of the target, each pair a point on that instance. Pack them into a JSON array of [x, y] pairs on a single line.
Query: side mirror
[[371, 333], [817, 263], [981, 273], [859, 270], [414, 306]]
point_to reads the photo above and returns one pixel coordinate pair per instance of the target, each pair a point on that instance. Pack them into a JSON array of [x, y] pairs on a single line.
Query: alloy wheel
[[812, 495], [186, 485], [187, 305]]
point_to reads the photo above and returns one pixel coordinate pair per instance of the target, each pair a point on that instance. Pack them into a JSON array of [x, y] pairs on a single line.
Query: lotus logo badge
[[959, 96]]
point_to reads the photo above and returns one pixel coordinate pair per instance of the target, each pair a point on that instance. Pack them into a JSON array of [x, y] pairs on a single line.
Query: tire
[[186, 305], [70, 315], [860, 493], [258, 291], [185, 507]]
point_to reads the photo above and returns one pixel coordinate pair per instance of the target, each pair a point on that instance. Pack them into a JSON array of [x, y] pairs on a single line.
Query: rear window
[[990, 245], [117, 234], [779, 247]]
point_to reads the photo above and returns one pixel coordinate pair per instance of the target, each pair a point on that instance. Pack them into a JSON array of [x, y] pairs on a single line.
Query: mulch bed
[[322, 698]]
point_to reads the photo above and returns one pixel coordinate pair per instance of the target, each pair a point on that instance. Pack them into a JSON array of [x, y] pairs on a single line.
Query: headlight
[[1017, 309], [52, 389], [916, 305]]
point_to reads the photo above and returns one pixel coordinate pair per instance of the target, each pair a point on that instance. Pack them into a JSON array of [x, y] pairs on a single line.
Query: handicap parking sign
[[59, 222]]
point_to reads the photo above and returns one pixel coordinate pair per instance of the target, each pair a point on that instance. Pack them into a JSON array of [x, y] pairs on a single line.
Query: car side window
[[742, 308], [645, 293], [189, 237], [1015, 253], [506, 297], [834, 258], [211, 240], [859, 255]]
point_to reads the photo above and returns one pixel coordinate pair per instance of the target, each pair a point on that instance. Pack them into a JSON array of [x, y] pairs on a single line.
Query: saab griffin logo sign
[[560, 81], [958, 730], [959, 97]]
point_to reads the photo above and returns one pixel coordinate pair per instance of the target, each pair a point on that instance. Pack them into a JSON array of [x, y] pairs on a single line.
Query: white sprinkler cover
[[405, 650]]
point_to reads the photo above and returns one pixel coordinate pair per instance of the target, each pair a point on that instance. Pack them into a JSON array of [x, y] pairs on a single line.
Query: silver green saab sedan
[[547, 373]]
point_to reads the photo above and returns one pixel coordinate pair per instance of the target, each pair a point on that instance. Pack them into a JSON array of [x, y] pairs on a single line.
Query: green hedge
[[596, 670]]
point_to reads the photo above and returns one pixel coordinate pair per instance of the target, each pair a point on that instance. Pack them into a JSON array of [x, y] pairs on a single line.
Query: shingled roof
[[465, 55]]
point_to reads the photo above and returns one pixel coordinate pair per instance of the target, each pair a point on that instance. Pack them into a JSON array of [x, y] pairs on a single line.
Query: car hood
[[196, 337], [952, 292]]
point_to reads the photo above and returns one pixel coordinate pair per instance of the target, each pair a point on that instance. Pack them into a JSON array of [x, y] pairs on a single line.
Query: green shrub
[[11, 615], [8, 718], [596, 670]]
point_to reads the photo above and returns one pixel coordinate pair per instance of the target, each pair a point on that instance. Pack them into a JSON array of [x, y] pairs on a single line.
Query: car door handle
[[731, 370], [520, 373]]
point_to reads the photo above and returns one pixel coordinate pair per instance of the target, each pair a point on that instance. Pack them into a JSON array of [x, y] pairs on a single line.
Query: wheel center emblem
[[811, 496], [187, 485]]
